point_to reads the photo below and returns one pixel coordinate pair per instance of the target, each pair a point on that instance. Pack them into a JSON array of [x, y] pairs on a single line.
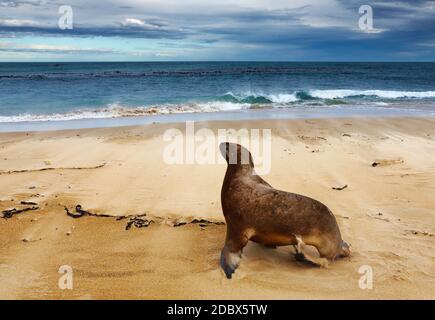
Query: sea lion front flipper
[[230, 261], [231, 253]]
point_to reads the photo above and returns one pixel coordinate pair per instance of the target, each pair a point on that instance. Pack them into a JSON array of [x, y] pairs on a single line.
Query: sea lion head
[[236, 155]]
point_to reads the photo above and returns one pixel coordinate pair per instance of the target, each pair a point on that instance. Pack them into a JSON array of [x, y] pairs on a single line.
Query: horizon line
[[223, 61]]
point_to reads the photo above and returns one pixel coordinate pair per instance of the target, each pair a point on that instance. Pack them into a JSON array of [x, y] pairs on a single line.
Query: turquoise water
[[32, 92]]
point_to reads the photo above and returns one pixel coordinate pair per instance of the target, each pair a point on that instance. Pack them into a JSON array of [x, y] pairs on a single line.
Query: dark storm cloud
[[301, 28], [127, 31]]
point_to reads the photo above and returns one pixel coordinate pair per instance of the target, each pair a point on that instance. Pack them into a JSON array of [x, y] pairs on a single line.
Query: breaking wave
[[387, 94], [297, 96], [236, 101]]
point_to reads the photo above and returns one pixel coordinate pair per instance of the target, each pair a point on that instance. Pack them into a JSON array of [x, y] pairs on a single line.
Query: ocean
[[47, 92]]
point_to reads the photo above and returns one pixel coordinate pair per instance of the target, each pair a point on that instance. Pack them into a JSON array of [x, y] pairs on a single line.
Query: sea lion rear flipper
[[304, 255]]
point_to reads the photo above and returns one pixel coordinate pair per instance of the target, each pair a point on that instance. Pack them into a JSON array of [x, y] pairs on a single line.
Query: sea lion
[[255, 211]]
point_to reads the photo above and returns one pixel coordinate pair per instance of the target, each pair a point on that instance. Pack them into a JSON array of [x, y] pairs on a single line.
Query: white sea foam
[[57, 116], [388, 94], [283, 98], [279, 98], [117, 111], [382, 104]]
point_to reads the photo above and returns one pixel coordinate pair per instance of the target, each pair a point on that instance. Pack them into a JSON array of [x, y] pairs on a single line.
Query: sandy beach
[[386, 213]]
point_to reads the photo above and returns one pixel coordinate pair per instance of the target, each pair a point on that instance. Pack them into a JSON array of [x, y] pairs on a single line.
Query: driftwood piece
[[340, 188], [51, 168], [79, 212], [386, 162], [28, 203], [138, 222], [73, 214], [205, 221], [177, 222], [9, 213]]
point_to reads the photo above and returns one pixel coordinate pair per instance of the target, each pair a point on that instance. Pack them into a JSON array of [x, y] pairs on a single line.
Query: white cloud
[[133, 22], [13, 47], [19, 23], [430, 44]]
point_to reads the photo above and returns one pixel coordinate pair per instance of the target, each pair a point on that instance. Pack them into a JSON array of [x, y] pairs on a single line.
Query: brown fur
[[255, 211]]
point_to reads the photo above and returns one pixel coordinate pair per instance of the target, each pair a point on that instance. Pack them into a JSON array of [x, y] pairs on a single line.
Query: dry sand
[[387, 213]]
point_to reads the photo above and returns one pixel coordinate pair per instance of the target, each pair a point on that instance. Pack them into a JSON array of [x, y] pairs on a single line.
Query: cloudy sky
[[153, 30]]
